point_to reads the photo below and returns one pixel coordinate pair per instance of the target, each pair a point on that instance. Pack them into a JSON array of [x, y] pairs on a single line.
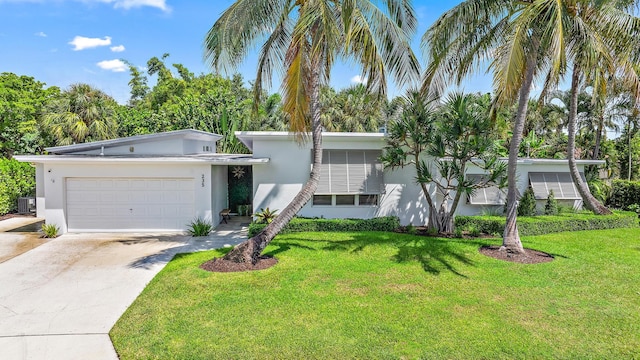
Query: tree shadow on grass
[[435, 255]]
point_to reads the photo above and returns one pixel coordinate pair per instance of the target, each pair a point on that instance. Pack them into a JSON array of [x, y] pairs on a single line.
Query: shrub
[[266, 216], [387, 223], [551, 224], [16, 179], [50, 231], [457, 232], [551, 206], [199, 227], [410, 229], [527, 205], [624, 194]]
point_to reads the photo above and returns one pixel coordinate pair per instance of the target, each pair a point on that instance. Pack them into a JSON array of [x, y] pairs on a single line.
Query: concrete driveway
[[59, 300]]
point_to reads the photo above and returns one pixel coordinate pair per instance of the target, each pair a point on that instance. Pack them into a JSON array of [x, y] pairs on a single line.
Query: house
[[161, 182]]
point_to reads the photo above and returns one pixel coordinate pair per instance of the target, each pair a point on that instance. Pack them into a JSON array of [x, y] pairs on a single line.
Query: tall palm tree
[[81, 113], [302, 40], [518, 47]]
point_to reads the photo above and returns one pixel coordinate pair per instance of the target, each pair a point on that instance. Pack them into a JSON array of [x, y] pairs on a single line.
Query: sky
[[62, 42]]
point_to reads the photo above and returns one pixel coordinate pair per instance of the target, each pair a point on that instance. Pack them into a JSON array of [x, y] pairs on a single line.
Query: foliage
[[81, 114], [539, 225], [624, 194], [21, 101], [265, 216], [378, 295], [17, 179], [551, 205], [454, 136], [353, 109], [199, 227], [298, 224], [527, 204], [50, 231]]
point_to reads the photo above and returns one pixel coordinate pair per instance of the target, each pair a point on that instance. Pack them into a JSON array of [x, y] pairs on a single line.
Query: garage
[[129, 204]]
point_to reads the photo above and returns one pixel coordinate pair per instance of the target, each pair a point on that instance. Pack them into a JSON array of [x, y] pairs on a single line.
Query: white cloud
[[128, 4], [119, 48], [81, 42], [358, 80], [115, 65], [41, 34]]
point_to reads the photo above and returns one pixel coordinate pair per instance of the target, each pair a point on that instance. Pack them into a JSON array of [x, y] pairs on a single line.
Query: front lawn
[[376, 295]]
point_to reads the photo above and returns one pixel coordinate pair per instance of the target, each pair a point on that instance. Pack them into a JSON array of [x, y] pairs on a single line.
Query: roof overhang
[[213, 159], [247, 137]]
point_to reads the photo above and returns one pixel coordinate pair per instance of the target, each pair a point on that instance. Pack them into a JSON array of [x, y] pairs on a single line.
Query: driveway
[[59, 300]]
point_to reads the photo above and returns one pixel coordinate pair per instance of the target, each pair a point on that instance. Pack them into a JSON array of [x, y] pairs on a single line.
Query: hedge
[[297, 224], [624, 193], [539, 225], [16, 179]]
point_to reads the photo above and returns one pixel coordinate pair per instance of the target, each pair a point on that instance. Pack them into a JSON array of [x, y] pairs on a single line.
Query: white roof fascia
[[96, 159], [247, 137], [187, 134]]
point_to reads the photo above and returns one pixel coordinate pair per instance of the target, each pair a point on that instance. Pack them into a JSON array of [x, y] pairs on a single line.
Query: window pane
[[368, 200], [321, 199], [345, 199]]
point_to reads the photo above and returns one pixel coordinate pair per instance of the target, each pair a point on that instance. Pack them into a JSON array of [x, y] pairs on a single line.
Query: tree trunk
[[250, 250], [511, 238], [599, 130], [589, 201]]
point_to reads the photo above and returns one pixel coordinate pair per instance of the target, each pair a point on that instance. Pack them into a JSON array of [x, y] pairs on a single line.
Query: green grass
[[388, 296]]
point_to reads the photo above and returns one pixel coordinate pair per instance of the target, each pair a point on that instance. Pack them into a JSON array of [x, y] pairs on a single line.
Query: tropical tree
[[81, 114], [519, 43], [303, 40], [353, 109], [453, 137]]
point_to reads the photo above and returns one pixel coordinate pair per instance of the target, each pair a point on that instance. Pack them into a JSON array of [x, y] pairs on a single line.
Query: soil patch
[[529, 257], [221, 265]]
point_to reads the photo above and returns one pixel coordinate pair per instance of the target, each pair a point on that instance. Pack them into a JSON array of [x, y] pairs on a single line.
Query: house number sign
[[202, 180]]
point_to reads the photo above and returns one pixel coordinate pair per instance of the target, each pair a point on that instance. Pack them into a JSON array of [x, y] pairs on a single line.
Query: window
[[350, 172], [491, 195], [345, 200], [560, 182], [368, 199], [322, 200]]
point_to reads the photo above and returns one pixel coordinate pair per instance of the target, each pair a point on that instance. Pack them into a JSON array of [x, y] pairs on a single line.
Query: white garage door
[[113, 204]]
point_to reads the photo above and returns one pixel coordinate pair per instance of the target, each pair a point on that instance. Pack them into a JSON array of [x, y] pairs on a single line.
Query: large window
[[491, 195], [560, 182], [350, 178]]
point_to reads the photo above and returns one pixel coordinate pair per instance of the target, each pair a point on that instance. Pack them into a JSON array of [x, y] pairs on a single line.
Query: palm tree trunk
[[589, 201], [250, 250], [599, 130], [511, 238]]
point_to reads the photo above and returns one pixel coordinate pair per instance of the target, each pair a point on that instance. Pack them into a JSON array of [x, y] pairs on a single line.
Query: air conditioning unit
[[26, 205]]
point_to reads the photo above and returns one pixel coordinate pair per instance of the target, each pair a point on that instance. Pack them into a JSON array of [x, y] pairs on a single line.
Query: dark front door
[[240, 180]]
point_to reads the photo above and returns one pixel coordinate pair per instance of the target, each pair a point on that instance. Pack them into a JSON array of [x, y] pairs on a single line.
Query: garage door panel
[[121, 204]]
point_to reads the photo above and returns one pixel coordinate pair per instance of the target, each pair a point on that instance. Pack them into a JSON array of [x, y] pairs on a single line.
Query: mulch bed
[[221, 265], [529, 257], [9, 216]]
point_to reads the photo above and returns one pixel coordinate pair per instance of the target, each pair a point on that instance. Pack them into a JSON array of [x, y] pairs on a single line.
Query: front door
[[240, 180]]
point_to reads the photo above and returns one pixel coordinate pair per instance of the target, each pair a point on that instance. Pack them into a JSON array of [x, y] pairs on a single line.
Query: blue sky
[[61, 42]]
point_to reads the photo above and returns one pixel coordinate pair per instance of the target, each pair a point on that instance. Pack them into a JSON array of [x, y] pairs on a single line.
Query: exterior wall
[[276, 183], [40, 194], [163, 147], [219, 192], [198, 147], [55, 175], [524, 167]]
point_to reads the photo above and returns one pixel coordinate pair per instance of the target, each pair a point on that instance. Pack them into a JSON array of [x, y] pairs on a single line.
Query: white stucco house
[[161, 182]]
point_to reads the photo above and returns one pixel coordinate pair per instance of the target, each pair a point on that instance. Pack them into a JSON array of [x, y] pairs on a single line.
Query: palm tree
[[81, 114], [302, 40], [521, 47]]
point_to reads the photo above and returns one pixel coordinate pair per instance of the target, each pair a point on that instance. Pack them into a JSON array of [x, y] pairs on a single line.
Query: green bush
[[538, 225], [16, 179], [199, 227], [50, 231], [527, 205], [387, 223], [624, 194], [551, 206]]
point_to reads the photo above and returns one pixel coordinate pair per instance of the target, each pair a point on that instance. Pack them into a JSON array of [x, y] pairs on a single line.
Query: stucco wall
[[219, 192], [55, 175]]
